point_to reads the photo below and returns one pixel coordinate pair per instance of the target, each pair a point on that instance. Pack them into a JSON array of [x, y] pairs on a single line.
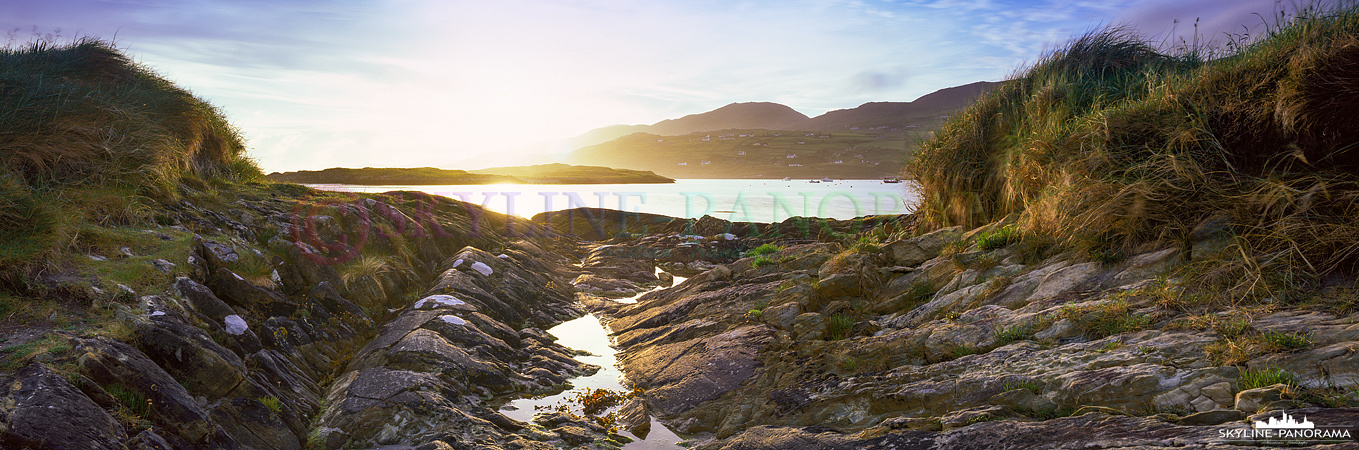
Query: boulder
[[782, 316], [190, 355], [39, 409], [809, 326], [109, 362], [1251, 401], [839, 285], [914, 251], [254, 425]]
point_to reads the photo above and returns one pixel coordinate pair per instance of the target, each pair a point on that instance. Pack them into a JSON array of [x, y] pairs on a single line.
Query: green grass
[[1015, 332], [761, 261], [1280, 341], [272, 403], [1257, 378], [1112, 142], [1108, 319], [134, 401], [1030, 385], [998, 239], [840, 326], [765, 249]]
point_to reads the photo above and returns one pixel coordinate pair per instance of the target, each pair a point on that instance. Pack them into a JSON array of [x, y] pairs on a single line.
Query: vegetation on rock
[[1115, 143]]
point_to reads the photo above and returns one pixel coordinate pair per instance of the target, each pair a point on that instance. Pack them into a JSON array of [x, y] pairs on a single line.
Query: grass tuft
[[1109, 146], [1257, 378]]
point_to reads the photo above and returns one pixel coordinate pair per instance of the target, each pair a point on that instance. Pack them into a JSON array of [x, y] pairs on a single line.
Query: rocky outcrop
[[899, 345]]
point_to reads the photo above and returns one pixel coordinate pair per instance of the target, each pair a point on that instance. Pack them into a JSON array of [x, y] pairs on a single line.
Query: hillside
[[372, 176], [753, 154], [870, 141], [752, 115], [539, 174], [569, 174]]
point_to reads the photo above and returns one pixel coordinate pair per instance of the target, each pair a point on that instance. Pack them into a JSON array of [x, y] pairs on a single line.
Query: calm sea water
[[735, 200]]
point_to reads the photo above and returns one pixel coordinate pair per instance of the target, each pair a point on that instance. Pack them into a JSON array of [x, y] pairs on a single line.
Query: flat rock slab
[[681, 375]]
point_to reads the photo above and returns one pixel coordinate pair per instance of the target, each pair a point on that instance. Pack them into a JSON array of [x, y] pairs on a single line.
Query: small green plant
[[1233, 328], [1146, 349], [840, 326], [1109, 346], [849, 364], [985, 417], [1015, 332], [1030, 385], [754, 314], [999, 238], [1108, 319], [951, 316], [961, 351], [916, 294], [1279, 341], [954, 247], [1257, 378], [271, 402], [865, 244], [761, 261], [764, 249], [134, 401]]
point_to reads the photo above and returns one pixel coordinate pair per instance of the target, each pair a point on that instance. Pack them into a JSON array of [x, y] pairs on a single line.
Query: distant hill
[[389, 176], [752, 115], [569, 174], [870, 141], [754, 154], [922, 113], [539, 174]]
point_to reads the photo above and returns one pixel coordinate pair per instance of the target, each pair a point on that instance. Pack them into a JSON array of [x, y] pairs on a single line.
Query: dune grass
[[1115, 146], [90, 137]]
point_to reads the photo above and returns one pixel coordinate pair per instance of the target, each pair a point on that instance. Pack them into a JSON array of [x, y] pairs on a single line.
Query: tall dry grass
[[80, 121], [1111, 140]]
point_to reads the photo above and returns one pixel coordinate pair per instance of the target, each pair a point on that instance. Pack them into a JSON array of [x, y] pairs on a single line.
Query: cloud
[[879, 80]]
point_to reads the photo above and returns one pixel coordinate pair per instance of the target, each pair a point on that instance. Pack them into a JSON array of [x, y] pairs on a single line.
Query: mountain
[[922, 113], [752, 115], [539, 174], [568, 174], [769, 140]]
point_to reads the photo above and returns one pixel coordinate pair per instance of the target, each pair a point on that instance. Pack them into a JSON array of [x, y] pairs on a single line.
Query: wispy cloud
[[428, 82]]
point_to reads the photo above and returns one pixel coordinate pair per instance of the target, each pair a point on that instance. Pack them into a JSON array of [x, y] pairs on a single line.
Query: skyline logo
[[1284, 422]]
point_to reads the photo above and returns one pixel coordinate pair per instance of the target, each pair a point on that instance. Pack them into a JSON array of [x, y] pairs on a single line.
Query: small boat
[[787, 178], [813, 181], [827, 180], [891, 180]]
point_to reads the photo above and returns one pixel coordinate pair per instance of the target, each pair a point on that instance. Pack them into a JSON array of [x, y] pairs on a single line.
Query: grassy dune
[[1110, 145], [91, 138]]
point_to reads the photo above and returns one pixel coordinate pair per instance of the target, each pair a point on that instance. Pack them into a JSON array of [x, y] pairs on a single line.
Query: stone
[[1252, 400], [809, 326], [163, 265], [916, 250], [839, 285], [110, 362], [190, 355], [782, 316], [1213, 417], [41, 410], [633, 416], [574, 435], [681, 375], [254, 425], [1221, 392]]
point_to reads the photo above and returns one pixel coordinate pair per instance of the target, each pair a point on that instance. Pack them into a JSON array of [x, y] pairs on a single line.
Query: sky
[[411, 83]]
